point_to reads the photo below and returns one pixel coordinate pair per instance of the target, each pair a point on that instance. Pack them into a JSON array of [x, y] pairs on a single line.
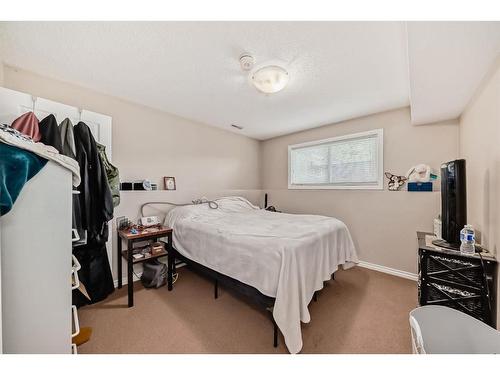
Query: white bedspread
[[282, 255]]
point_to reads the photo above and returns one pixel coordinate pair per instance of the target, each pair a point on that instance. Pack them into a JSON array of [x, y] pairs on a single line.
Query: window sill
[[334, 187]]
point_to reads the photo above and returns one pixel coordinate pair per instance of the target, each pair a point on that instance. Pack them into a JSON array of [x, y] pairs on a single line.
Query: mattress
[[285, 256]]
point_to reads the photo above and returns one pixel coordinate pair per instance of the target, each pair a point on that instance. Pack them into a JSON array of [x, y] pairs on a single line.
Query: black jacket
[[51, 135], [95, 195], [96, 205]]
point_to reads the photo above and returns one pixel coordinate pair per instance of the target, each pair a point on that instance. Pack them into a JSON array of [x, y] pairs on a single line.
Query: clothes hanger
[[74, 270], [33, 99]]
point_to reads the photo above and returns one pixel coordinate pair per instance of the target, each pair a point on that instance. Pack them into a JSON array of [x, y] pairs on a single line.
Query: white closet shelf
[[76, 323], [75, 281]]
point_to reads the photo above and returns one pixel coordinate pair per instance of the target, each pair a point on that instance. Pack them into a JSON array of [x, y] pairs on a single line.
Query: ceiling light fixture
[[270, 79]]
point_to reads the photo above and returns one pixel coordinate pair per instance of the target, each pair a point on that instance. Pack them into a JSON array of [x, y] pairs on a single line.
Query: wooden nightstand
[[148, 234]]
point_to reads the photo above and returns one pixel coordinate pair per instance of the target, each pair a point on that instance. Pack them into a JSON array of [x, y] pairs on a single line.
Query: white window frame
[[379, 133]]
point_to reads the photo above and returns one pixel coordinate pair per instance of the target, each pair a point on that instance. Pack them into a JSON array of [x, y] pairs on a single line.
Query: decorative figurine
[[419, 173], [395, 182]]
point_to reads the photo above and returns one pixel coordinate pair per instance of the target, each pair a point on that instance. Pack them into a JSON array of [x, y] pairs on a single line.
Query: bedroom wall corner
[[1, 61], [2, 53], [1, 69], [479, 140], [383, 224], [149, 143]]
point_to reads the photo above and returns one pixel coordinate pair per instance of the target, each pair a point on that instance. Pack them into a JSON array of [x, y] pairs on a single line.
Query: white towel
[[46, 152]]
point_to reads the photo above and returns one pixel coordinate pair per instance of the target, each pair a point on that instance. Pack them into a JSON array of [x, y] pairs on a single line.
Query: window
[[353, 161]]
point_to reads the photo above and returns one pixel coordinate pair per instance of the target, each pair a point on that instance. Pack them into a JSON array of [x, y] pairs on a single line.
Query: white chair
[[442, 330]]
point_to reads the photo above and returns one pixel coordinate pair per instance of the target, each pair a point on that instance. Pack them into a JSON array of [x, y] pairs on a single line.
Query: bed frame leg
[[315, 296], [216, 289], [275, 328], [275, 343]]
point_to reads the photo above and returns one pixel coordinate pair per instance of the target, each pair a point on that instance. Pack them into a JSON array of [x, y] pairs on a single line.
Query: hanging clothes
[[112, 174], [95, 195], [14, 138], [50, 134], [28, 124], [96, 205], [68, 149], [67, 138], [95, 274]]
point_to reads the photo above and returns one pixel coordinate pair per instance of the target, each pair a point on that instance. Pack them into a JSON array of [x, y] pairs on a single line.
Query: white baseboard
[[125, 281], [371, 266], [390, 271]]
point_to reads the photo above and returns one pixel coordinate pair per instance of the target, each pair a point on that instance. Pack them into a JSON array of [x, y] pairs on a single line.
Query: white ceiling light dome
[[270, 79]]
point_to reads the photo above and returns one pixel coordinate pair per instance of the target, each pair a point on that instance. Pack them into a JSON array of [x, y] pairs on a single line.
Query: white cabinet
[[36, 265]]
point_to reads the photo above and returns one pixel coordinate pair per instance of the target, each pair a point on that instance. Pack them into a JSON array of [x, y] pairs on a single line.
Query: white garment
[[282, 255], [46, 152]]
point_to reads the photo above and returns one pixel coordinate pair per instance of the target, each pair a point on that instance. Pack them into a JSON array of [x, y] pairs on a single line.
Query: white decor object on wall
[[419, 173], [395, 182]]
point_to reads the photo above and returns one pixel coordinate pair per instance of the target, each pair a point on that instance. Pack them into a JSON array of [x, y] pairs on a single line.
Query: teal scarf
[[17, 166]]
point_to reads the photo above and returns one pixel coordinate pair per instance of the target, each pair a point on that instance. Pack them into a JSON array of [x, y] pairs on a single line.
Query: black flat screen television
[[453, 203]]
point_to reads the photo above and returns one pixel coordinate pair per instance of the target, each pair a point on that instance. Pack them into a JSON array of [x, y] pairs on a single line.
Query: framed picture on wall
[[169, 183]]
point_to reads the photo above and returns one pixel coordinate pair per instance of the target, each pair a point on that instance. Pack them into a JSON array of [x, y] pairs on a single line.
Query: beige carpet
[[361, 311]]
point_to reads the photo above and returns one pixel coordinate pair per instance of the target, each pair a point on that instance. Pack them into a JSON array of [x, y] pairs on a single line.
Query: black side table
[[147, 234], [465, 282]]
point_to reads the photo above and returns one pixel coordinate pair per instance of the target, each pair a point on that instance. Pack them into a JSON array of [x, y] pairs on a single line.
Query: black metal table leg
[[130, 279], [170, 263], [119, 257], [275, 328]]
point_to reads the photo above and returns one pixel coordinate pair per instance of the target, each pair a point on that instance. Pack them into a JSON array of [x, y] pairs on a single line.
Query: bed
[[284, 257]]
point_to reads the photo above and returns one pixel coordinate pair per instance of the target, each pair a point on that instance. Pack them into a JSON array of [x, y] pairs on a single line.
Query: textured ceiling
[[448, 60], [338, 70]]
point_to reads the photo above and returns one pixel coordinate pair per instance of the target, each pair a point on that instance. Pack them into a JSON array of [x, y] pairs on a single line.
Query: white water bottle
[[468, 240]]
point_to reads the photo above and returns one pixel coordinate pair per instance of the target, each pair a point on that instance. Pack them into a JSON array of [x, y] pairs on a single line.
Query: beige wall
[[148, 143], [1, 53], [382, 223], [1, 64], [480, 146]]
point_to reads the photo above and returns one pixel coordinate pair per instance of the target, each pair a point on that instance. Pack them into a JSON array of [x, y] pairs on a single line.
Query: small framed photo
[[122, 222], [169, 183]]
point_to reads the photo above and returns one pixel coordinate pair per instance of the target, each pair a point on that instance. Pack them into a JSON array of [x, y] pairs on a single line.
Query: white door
[[14, 103]]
